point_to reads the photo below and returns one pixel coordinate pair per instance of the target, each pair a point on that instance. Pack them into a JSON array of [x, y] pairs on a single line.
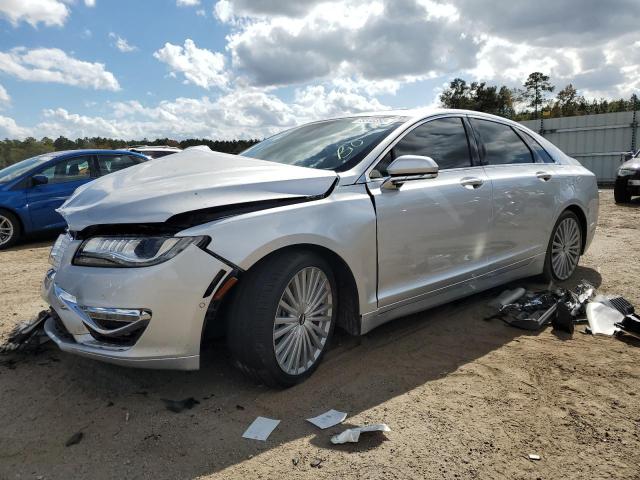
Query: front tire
[[9, 229], [282, 318], [564, 249], [621, 192]]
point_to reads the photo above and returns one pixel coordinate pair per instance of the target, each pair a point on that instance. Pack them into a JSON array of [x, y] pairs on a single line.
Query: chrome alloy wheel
[[303, 321], [6, 230], [565, 249]]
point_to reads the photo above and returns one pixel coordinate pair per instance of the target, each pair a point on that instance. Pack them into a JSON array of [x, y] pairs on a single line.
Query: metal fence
[[597, 141]]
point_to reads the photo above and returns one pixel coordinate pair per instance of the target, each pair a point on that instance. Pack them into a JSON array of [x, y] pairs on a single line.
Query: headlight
[[132, 251], [625, 172]]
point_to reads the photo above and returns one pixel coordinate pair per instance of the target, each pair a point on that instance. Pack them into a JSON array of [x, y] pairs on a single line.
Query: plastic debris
[[507, 297], [328, 419], [177, 406], [27, 336], [260, 429], [352, 435], [533, 456], [603, 318]]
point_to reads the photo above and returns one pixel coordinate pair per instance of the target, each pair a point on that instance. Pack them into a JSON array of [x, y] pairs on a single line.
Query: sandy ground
[[465, 398]]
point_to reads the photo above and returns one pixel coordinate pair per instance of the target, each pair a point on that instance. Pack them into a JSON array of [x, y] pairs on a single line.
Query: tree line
[[531, 101], [12, 151]]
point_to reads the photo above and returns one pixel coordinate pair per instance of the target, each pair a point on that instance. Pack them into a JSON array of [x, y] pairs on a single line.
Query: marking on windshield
[[346, 149]]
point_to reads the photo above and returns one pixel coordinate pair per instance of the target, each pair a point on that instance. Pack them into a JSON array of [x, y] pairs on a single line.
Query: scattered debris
[[352, 435], [603, 318], [260, 429], [507, 297], [126, 417], [606, 315], [295, 461], [239, 407], [177, 406], [27, 336], [74, 439], [316, 463], [328, 419], [533, 456]]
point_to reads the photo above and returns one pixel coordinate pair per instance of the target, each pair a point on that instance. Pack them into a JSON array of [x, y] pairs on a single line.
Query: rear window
[[538, 150], [500, 145]]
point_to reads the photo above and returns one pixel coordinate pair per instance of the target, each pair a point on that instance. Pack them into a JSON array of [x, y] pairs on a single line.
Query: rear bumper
[[171, 293]]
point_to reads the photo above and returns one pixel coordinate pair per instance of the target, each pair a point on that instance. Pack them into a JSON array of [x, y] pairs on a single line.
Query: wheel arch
[[582, 219], [348, 299], [16, 214]]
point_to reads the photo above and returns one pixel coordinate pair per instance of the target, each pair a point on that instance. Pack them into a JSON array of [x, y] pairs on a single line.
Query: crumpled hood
[[632, 163], [191, 180]]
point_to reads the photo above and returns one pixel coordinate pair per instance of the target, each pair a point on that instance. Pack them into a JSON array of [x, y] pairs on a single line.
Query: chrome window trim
[[517, 128]]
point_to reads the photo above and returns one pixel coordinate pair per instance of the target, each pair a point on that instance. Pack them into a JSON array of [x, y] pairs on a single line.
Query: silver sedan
[[350, 222]]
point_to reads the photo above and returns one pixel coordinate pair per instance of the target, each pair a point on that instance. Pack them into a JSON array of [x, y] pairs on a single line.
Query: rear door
[[109, 163], [63, 178], [523, 194], [431, 232]]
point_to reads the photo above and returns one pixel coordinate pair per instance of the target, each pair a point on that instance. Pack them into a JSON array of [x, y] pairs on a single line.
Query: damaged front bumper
[[149, 317]]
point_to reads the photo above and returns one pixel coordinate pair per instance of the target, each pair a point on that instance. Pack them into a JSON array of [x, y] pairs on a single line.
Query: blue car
[[31, 190]]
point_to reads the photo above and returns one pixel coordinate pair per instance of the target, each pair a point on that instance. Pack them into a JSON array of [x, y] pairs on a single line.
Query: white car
[[154, 151], [350, 222]]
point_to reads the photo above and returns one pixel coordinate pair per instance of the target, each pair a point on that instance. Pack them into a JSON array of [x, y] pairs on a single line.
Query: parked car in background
[[154, 151], [348, 222], [31, 190], [628, 180]]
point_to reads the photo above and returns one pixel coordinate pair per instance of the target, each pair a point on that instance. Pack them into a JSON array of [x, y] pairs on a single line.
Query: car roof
[[413, 114], [145, 148], [88, 151]]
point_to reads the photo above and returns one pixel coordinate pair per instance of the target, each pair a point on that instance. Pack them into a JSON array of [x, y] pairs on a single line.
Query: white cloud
[[201, 12], [10, 129], [375, 40], [4, 96], [200, 66], [54, 65], [121, 43], [241, 113], [33, 12], [187, 3], [90, 3]]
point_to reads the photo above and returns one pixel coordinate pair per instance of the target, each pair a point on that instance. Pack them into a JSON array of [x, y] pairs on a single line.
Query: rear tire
[[621, 192], [282, 318], [564, 248], [9, 229]]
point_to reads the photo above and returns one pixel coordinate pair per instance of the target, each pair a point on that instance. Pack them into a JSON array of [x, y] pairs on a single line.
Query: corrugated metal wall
[[597, 141]]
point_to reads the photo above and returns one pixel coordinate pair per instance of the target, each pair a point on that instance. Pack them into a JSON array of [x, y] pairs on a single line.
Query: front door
[[432, 233], [63, 178]]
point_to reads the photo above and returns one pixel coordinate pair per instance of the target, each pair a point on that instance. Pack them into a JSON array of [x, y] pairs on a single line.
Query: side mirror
[[39, 180], [406, 168]]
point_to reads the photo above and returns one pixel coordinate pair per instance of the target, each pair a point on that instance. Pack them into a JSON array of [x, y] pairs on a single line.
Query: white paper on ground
[[328, 419], [352, 435], [261, 428], [602, 318]]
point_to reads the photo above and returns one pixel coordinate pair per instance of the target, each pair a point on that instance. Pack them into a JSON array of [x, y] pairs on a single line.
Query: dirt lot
[[465, 398]]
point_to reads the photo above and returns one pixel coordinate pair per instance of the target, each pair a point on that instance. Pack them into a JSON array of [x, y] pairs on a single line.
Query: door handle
[[544, 176], [471, 183]]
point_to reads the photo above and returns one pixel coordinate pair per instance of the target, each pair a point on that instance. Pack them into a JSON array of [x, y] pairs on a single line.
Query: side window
[[500, 145], [443, 139], [113, 163], [541, 154], [70, 170]]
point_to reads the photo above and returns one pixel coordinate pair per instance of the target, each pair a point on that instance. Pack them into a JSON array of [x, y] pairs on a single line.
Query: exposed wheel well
[[348, 311], [582, 219]]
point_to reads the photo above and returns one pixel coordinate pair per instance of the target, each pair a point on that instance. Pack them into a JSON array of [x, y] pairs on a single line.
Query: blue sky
[[248, 68]]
